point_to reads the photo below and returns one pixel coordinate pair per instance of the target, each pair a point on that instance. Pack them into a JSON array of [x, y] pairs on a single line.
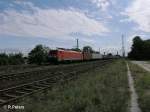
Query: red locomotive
[[61, 55]]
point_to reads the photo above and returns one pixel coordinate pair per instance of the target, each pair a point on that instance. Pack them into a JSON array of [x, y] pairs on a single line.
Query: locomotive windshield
[[53, 53]]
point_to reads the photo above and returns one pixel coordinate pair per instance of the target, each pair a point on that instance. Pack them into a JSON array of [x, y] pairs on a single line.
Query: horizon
[[55, 23]]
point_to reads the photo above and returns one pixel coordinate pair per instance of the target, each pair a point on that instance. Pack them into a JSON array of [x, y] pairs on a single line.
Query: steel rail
[[14, 93]]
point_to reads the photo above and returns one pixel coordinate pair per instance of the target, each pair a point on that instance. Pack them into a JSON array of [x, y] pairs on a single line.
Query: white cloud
[[48, 23], [102, 4], [139, 12]]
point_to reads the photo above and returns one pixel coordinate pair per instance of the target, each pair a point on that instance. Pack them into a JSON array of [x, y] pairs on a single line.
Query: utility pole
[[104, 53], [77, 43], [123, 48], [117, 53]]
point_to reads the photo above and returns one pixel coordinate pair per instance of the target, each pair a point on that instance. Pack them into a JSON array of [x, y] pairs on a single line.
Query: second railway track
[[36, 74]]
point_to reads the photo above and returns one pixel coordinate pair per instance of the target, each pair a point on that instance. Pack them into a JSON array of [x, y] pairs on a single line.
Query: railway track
[[15, 68], [23, 77], [12, 94], [22, 71], [25, 73], [34, 69]]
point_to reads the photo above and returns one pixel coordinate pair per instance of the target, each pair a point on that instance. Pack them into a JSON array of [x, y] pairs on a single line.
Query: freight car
[[96, 56]]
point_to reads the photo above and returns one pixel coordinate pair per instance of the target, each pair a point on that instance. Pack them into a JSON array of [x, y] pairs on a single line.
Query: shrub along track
[[19, 85]]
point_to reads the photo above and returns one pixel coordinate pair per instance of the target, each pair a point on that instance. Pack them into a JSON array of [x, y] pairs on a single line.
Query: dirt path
[[143, 64], [134, 107]]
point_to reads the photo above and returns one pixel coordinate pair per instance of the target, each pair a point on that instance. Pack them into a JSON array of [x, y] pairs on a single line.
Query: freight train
[[63, 55]]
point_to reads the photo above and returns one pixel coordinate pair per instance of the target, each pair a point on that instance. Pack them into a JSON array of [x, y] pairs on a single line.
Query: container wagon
[[96, 56]]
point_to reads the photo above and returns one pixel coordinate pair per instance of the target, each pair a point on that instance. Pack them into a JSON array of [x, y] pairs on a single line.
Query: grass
[[142, 85], [101, 90]]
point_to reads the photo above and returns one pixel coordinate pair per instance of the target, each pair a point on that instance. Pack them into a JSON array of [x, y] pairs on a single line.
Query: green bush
[[4, 59], [11, 59], [140, 49]]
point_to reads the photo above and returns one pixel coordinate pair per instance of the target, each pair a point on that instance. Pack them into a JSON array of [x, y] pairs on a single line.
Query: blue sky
[[58, 23]]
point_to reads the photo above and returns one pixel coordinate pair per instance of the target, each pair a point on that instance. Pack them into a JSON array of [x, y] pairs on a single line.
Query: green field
[[101, 90], [142, 85]]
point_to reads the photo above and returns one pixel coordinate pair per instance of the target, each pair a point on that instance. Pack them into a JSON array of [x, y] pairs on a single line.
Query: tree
[[4, 59], [11, 59], [15, 59], [38, 55], [88, 49], [146, 50], [136, 50], [140, 49]]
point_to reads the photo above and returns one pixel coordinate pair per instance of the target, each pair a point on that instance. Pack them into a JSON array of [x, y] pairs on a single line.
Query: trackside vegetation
[[11, 59], [140, 49], [101, 90], [38, 55], [142, 85]]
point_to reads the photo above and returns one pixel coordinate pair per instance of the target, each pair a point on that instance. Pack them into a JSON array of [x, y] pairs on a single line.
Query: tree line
[[38, 55], [11, 59], [140, 49]]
